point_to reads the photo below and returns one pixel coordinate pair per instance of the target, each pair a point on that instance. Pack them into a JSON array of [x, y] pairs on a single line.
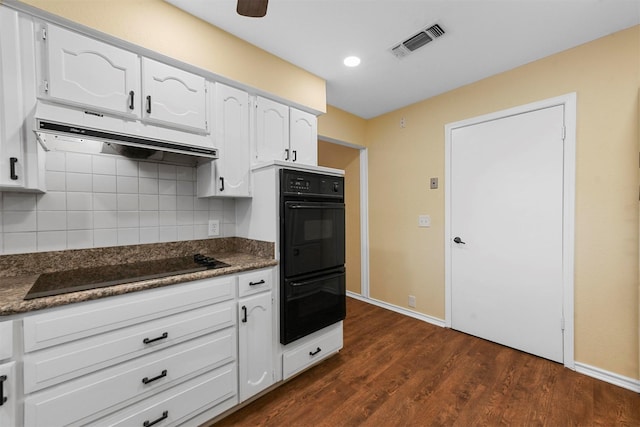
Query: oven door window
[[313, 237], [311, 304]]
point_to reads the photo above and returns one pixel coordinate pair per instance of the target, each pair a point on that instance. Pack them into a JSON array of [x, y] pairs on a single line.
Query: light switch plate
[[214, 227], [433, 182], [424, 221]]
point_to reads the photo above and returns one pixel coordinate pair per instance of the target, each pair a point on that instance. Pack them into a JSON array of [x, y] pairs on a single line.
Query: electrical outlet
[[433, 183], [412, 301], [424, 221], [214, 227]]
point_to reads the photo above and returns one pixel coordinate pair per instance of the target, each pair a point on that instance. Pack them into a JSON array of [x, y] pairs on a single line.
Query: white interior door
[[507, 211]]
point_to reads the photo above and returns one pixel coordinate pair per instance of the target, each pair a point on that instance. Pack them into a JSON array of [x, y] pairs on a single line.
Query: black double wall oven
[[312, 253]]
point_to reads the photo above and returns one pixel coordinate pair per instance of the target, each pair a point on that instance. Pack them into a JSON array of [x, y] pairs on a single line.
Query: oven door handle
[[317, 279], [326, 206]]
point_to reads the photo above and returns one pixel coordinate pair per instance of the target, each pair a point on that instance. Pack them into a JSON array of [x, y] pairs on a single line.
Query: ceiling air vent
[[417, 41]]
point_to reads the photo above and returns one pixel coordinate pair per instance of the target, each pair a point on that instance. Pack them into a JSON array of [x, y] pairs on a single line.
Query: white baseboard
[[425, 318], [610, 377]]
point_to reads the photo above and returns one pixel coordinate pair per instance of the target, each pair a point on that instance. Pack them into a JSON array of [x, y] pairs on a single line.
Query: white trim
[[607, 376], [425, 318], [569, 179]]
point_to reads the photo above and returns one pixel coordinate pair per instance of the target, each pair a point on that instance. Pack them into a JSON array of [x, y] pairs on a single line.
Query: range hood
[[46, 126]]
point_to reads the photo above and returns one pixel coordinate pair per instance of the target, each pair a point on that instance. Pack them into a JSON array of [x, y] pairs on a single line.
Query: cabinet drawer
[[179, 403], [94, 317], [6, 340], [258, 281], [102, 392], [53, 365], [319, 346]]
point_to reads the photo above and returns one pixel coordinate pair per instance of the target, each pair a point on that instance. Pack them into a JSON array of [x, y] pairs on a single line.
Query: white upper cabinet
[[228, 175], [304, 137], [272, 131], [173, 96], [86, 72], [284, 133]]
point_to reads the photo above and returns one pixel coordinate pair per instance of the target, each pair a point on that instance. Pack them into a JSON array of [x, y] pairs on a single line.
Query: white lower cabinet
[[8, 396], [311, 349]]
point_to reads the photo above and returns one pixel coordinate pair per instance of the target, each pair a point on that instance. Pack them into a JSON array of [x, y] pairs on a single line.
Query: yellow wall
[[605, 74], [347, 159], [161, 27], [339, 125]]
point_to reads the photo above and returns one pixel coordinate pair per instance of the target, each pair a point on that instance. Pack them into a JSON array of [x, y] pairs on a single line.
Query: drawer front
[[327, 342], [101, 392], [94, 317], [258, 281], [6, 340], [53, 365], [182, 402]]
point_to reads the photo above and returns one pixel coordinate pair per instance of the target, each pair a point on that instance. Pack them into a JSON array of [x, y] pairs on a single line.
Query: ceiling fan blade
[[252, 8]]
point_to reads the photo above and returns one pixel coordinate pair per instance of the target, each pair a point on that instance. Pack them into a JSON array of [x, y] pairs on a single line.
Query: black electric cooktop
[[82, 279]]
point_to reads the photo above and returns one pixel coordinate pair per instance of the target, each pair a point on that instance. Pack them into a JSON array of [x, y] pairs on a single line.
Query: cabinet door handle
[[161, 337], [3, 398], [295, 155], [244, 314], [12, 167], [313, 353], [147, 380], [286, 150], [149, 104], [221, 183], [148, 423], [256, 283], [131, 97]]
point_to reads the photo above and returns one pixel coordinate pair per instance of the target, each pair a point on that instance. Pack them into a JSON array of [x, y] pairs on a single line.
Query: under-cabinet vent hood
[[46, 126], [417, 40]]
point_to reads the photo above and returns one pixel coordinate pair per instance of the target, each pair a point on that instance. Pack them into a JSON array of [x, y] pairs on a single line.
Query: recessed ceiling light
[[351, 61]]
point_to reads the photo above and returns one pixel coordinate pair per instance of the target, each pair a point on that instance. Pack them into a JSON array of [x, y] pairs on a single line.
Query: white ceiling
[[483, 37]]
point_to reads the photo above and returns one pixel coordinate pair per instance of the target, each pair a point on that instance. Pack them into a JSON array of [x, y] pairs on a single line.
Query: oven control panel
[[309, 183]]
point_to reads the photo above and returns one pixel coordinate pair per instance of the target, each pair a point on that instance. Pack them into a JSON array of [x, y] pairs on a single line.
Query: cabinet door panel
[[272, 131], [304, 137], [255, 344], [87, 72], [8, 408], [173, 96]]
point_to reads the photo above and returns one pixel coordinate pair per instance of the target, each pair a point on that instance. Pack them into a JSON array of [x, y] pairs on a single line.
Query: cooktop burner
[[82, 279]]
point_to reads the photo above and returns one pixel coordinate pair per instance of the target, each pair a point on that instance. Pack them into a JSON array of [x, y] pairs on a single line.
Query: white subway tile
[[78, 162], [128, 236], [148, 202], [128, 220], [167, 218], [18, 201], [128, 202], [52, 220], [149, 235], [168, 234], [200, 231], [185, 173], [185, 188], [56, 161], [79, 201], [201, 204], [167, 172], [200, 217], [184, 218], [53, 201], [167, 203], [104, 165], [185, 203], [106, 237], [216, 204], [126, 167], [149, 219], [148, 186], [229, 215], [18, 221], [105, 219], [167, 186], [185, 232], [17, 243], [104, 183], [52, 240], [228, 230], [148, 170], [127, 184], [80, 239], [56, 181], [79, 220], [79, 181], [105, 202]]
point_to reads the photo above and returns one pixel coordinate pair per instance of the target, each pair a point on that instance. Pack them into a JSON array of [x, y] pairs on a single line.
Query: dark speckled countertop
[[19, 272]]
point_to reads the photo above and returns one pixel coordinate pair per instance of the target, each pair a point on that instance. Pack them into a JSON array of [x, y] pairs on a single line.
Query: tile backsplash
[[98, 200]]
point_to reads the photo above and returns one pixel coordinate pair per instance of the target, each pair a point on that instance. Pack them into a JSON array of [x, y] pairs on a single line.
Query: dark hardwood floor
[[399, 371]]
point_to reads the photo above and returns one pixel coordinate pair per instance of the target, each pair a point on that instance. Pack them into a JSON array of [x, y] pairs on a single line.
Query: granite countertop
[[19, 272]]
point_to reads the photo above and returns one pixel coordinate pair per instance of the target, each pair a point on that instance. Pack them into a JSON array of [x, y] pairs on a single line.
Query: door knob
[[458, 240]]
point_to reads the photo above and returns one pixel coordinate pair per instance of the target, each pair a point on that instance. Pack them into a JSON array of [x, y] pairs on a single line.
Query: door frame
[[568, 220]]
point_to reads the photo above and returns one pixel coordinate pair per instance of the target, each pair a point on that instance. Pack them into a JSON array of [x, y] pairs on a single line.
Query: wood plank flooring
[[398, 371]]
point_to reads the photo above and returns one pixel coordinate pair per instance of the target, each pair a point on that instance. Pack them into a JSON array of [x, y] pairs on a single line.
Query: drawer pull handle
[[131, 96], [164, 416], [3, 398], [256, 283], [147, 380], [161, 337], [313, 353], [149, 104], [244, 314], [12, 167]]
